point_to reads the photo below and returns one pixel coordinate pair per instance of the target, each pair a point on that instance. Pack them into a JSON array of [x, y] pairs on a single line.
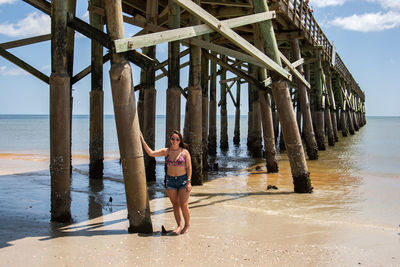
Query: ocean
[[356, 181]]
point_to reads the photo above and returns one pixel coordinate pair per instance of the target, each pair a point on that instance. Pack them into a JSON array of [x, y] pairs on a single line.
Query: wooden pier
[[275, 46]]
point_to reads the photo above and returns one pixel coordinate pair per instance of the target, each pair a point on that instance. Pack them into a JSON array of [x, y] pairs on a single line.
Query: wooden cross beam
[[224, 51], [23, 65], [226, 3], [294, 70], [162, 75], [230, 80], [236, 71], [298, 63], [26, 41], [42, 5], [230, 93], [165, 62], [151, 39], [82, 74], [232, 36], [91, 32]]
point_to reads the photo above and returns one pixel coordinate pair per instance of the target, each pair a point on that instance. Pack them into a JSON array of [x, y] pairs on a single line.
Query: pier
[[276, 47]]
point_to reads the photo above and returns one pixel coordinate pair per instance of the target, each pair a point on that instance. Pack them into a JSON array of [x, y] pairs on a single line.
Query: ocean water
[[355, 182], [374, 149]]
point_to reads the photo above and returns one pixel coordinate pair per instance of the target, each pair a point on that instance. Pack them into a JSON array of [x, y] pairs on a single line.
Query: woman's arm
[[158, 153], [188, 171]]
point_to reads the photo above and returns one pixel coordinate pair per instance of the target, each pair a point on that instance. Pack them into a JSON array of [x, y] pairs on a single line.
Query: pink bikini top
[[179, 162]]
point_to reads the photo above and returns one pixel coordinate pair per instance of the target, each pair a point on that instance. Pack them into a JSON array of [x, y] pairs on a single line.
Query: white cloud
[[325, 3], [85, 16], [12, 72], [7, 1], [33, 24], [46, 67], [369, 22], [388, 4]]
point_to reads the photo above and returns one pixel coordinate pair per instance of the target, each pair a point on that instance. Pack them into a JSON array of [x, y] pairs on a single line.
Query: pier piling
[[128, 130], [60, 116]]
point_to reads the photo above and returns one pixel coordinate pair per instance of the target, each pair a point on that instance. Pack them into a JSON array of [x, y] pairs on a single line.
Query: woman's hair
[[181, 143]]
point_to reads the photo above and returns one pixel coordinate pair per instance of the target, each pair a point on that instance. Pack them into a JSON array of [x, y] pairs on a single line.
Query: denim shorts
[[176, 182]]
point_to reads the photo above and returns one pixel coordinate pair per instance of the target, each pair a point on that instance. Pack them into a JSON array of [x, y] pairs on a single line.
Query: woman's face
[[175, 140]]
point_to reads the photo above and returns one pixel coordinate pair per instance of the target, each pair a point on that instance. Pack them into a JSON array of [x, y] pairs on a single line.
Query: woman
[[179, 173]]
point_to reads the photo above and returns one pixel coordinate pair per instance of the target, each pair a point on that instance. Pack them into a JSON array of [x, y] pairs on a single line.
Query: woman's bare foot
[[177, 231], [185, 229]]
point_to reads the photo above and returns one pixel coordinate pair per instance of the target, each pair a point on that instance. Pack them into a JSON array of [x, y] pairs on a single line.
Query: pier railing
[[301, 15]]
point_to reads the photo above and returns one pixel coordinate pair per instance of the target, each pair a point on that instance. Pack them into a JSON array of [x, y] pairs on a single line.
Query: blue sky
[[366, 34]]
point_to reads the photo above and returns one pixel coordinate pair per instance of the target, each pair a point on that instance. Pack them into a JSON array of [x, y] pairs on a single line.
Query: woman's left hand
[[188, 187]]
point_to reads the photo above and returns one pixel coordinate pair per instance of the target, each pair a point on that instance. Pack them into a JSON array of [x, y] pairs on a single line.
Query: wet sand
[[236, 221]]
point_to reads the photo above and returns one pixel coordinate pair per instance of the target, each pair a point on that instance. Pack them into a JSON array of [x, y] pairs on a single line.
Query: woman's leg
[[184, 205], [174, 197]]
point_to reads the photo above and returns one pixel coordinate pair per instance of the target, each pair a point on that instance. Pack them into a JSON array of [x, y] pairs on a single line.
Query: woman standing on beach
[[179, 173]]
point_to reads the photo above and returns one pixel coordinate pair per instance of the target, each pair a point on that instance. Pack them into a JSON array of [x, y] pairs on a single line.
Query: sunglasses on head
[[175, 139]]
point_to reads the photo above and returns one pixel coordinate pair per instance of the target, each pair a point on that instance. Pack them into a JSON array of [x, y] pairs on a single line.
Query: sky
[[366, 34]]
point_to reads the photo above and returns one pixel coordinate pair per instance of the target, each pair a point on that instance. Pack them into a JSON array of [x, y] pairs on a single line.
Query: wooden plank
[[224, 51], [294, 71], [23, 65], [235, 38], [267, 82], [151, 39], [42, 5], [236, 71], [229, 80], [165, 62], [26, 41], [298, 63], [86, 29], [162, 75], [89, 31], [230, 93], [226, 3]]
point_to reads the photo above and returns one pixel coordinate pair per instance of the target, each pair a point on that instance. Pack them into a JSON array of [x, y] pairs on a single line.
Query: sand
[[236, 221]]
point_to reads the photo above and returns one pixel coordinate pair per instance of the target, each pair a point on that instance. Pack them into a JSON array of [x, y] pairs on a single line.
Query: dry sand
[[236, 221]]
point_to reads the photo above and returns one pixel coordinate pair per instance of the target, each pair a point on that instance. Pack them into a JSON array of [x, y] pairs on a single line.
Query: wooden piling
[[140, 102], [60, 116], [204, 86], [128, 129], [343, 120], [224, 114], [254, 141], [300, 174], [328, 105], [249, 114], [298, 116], [334, 125], [195, 110], [308, 130], [173, 107], [150, 95], [268, 131], [349, 115], [212, 137], [96, 128], [339, 123], [275, 120], [328, 122], [236, 133], [319, 105]]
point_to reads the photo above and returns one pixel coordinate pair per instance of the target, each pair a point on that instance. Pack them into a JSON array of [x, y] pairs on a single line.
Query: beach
[[351, 219]]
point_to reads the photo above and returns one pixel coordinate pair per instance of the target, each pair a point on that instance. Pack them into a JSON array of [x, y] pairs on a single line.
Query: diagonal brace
[[235, 38]]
